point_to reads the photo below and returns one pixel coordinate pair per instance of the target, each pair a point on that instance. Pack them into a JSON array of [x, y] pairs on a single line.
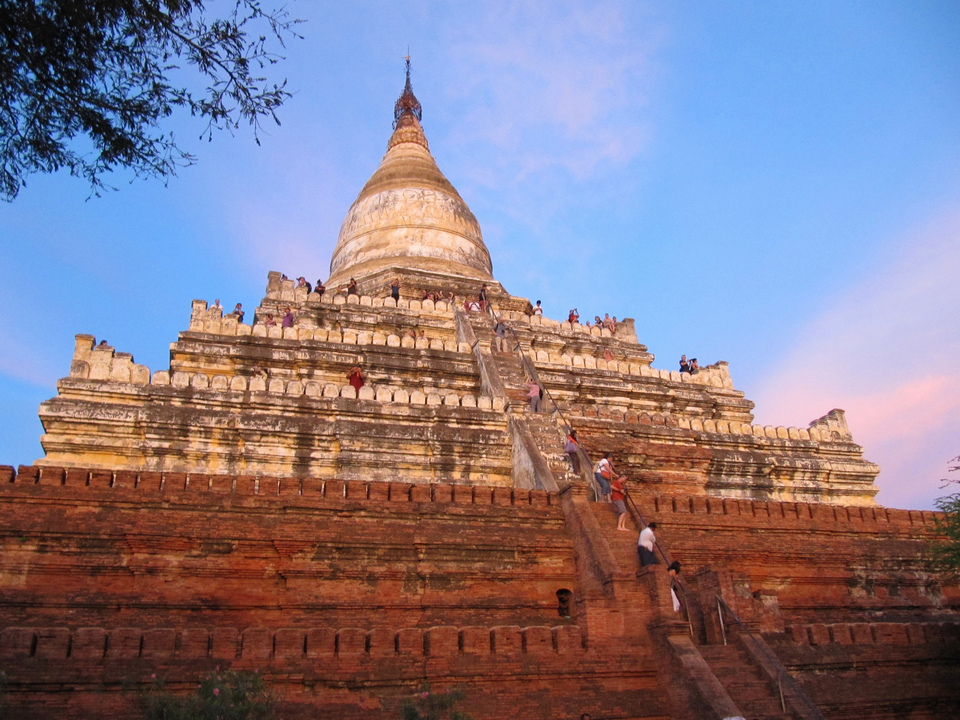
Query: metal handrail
[[782, 673], [585, 470]]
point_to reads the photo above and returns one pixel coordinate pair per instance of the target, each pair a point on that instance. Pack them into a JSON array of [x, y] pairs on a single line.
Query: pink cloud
[[883, 351]]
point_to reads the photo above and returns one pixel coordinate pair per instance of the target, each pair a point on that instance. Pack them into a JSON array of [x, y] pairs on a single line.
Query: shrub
[[226, 695]]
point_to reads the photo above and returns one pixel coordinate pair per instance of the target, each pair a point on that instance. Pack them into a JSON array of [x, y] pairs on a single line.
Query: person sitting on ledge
[[684, 365], [355, 377], [320, 288], [238, 311], [269, 320], [352, 287], [694, 367], [216, 305], [288, 319], [103, 343], [574, 317]]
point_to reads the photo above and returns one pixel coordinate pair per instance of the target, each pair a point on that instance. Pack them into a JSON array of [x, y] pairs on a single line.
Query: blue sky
[[772, 184]]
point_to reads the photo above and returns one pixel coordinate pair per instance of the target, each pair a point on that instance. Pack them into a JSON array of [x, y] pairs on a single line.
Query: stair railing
[[783, 676], [586, 468]]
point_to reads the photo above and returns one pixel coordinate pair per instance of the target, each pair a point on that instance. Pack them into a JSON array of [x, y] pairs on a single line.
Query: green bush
[[226, 695], [946, 549]]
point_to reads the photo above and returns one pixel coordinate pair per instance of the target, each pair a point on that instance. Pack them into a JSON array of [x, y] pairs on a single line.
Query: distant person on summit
[[684, 365]]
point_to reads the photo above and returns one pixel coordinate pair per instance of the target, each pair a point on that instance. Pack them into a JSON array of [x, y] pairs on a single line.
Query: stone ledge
[[90, 644]]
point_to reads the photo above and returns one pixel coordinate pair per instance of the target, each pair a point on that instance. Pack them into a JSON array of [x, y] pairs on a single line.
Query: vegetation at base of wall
[[430, 705], [222, 695], [946, 549]]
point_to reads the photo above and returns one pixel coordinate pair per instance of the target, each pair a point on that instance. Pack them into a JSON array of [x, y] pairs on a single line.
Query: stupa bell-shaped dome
[[408, 215]]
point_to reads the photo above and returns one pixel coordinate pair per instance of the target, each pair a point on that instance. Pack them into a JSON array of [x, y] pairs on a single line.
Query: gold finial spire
[[407, 103]]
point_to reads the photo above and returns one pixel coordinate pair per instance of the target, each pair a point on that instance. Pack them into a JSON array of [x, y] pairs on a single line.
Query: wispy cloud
[[886, 352], [554, 85]]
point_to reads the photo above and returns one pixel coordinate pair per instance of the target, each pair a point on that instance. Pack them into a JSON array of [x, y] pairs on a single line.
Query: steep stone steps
[[543, 426], [752, 693]]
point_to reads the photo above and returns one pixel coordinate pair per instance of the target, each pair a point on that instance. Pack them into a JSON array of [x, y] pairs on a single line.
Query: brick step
[[751, 692]]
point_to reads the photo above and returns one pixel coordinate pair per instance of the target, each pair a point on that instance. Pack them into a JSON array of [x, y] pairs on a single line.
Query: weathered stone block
[[289, 643], [88, 644], [52, 643], [351, 641], [16, 642], [475, 640], [537, 639], [568, 639], [410, 641], [124, 643], [382, 642], [507, 640], [159, 643], [257, 644], [442, 641], [321, 642]]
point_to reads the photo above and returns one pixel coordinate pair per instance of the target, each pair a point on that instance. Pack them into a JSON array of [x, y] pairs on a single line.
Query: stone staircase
[[743, 683], [752, 693], [544, 426]]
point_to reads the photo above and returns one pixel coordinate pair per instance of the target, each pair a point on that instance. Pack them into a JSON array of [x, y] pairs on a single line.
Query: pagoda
[[253, 506]]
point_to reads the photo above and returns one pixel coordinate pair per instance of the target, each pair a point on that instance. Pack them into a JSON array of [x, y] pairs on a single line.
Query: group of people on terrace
[[610, 323], [691, 366]]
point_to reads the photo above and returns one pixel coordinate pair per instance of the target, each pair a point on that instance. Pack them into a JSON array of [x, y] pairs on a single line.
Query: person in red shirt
[[619, 501], [355, 377]]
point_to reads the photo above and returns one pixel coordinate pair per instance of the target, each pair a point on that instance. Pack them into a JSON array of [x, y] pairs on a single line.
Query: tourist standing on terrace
[[395, 289], [482, 297]]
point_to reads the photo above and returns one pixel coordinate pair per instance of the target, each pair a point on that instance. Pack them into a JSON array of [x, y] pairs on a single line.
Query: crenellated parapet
[[287, 644]]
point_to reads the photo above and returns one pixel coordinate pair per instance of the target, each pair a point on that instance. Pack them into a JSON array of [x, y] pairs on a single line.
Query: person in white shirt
[[645, 545]]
